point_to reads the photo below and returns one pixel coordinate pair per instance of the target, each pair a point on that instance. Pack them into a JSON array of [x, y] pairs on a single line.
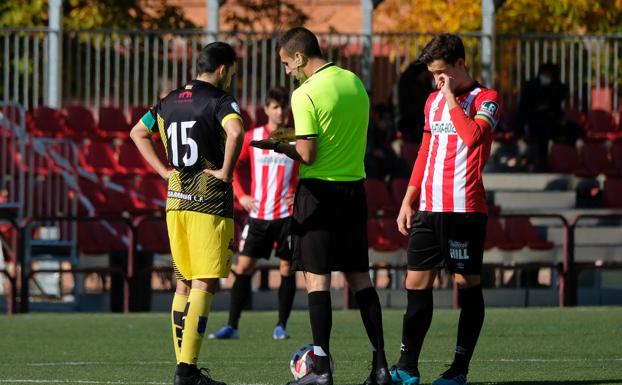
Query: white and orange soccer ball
[[303, 360]]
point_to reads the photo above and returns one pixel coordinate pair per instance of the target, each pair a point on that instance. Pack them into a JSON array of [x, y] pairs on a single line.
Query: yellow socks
[[178, 312], [195, 323]]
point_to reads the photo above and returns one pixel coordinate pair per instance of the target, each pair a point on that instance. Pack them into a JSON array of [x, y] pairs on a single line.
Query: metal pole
[[367, 9], [54, 76], [488, 36], [213, 20]]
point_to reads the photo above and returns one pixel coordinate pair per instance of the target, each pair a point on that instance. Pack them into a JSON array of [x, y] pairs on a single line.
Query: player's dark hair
[[214, 55], [300, 39], [278, 95], [446, 47]]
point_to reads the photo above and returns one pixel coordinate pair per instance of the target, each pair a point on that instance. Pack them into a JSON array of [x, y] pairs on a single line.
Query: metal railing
[[125, 68]]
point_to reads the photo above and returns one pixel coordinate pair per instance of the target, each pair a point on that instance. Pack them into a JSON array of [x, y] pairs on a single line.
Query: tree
[[515, 16], [267, 15], [88, 14]]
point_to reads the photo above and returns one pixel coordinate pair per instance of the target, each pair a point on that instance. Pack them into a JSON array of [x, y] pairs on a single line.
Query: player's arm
[[243, 162], [233, 146], [470, 130], [404, 218], [141, 135], [303, 151], [307, 130]]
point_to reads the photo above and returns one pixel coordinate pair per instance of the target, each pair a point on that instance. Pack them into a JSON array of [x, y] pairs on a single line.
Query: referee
[[331, 110]]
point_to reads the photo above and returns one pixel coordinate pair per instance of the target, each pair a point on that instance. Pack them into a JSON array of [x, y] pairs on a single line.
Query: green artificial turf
[[517, 346]]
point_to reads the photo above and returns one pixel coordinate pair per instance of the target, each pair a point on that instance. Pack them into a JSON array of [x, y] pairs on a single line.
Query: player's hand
[[167, 174], [404, 219], [289, 199], [219, 174], [265, 144], [445, 85], [247, 203]]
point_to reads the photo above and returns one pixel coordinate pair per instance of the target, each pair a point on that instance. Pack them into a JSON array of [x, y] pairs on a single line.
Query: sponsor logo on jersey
[[185, 95], [442, 128], [235, 107], [184, 196], [188, 87], [458, 250]]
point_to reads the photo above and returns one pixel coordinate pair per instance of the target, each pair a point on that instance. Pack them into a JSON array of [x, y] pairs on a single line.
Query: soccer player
[[273, 179], [450, 225], [331, 112], [201, 129]]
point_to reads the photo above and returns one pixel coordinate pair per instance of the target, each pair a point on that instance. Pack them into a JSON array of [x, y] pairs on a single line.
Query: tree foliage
[[87, 14], [515, 16], [266, 15]]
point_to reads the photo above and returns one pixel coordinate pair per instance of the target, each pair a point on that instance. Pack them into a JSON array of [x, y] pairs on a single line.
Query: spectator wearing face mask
[[541, 113]]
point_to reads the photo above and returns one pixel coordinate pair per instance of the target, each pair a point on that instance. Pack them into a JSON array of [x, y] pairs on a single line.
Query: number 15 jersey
[[190, 121]]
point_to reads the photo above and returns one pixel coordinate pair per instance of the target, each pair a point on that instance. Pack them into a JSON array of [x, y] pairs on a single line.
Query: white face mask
[[545, 79]]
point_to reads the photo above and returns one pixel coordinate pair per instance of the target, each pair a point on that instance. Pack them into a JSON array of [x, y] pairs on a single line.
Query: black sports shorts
[[259, 237], [451, 240], [329, 228]]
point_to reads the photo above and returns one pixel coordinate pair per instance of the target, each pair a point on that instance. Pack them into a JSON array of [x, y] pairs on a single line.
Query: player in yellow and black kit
[[201, 129]]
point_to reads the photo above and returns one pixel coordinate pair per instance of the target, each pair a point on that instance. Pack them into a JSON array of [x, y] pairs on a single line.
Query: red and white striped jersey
[[273, 177], [454, 151]]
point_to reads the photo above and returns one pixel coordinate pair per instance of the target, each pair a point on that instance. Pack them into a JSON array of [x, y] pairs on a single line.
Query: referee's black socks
[[320, 314], [417, 321], [371, 314], [287, 291], [239, 295], [470, 324]]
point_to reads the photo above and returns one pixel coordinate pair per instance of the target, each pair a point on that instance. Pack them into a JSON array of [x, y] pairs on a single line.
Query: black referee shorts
[[260, 236], [451, 240], [329, 228]]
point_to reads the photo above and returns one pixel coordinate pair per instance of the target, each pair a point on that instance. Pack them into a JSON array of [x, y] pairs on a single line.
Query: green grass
[[517, 346]]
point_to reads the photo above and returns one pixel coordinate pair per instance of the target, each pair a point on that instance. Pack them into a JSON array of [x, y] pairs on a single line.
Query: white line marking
[[81, 382]]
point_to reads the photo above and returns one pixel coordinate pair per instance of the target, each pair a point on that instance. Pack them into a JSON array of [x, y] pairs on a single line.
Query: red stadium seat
[[121, 196], [600, 125], [496, 236], [398, 190], [113, 123], [593, 159], [130, 160], [409, 153], [520, 230], [612, 192], [376, 239], [379, 201], [81, 123], [98, 237], [93, 192], [136, 113], [563, 158], [152, 236], [153, 190], [389, 230], [97, 157], [615, 153], [49, 122]]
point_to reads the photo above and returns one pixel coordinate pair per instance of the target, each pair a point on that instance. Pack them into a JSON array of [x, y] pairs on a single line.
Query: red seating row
[[103, 158], [594, 158], [518, 233], [100, 237]]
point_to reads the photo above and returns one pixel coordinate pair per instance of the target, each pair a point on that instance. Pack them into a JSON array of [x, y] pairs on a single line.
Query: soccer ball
[[303, 360]]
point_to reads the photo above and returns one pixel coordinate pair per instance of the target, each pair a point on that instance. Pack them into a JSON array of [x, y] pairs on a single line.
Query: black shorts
[[451, 240], [329, 228], [259, 237]]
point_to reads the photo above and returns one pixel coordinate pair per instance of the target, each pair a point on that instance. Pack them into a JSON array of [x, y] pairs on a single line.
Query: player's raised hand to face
[[247, 203], [404, 219], [219, 174], [444, 83]]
